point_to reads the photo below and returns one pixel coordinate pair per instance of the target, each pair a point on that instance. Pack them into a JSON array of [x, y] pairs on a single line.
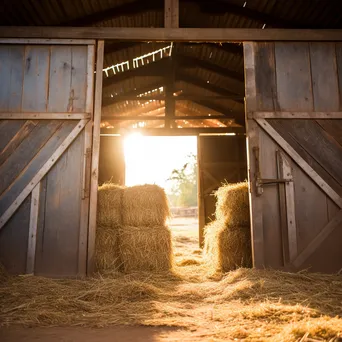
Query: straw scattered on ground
[[145, 205]]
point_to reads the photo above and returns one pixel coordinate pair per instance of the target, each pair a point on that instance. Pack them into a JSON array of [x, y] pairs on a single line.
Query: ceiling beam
[[170, 34]]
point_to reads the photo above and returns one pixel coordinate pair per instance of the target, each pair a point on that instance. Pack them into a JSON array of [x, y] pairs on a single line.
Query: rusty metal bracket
[[261, 182]]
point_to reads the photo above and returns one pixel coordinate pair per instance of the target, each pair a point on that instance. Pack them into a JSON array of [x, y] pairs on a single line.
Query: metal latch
[[260, 182]]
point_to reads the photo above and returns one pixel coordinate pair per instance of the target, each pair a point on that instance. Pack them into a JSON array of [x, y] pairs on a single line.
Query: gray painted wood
[[293, 75], [8, 129], [41, 157], [311, 208], [25, 152], [60, 79], [36, 79], [265, 78], [79, 78], [324, 76], [62, 214], [5, 76], [23, 132], [14, 239]]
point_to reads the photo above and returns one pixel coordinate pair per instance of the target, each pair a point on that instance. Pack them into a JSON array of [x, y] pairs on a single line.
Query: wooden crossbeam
[[171, 34], [295, 115], [44, 116]]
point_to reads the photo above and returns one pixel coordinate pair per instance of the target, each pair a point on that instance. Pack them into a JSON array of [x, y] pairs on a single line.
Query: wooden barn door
[[221, 158], [46, 119], [294, 128]]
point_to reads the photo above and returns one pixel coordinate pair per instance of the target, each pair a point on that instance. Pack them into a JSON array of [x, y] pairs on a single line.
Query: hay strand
[[109, 205], [146, 248], [145, 206], [107, 249], [233, 204]]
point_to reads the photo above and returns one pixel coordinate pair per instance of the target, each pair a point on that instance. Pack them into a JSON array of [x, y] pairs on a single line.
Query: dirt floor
[[187, 305]]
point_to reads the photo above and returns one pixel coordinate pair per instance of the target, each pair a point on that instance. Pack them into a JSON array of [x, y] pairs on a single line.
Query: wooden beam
[[170, 34], [300, 161], [317, 241], [41, 173], [95, 158], [181, 97], [171, 13], [44, 116], [295, 115], [174, 131], [220, 109], [48, 41], [32, 238], [146, 117]]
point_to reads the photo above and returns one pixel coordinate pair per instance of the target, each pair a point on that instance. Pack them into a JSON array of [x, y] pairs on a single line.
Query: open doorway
[[171, 163]]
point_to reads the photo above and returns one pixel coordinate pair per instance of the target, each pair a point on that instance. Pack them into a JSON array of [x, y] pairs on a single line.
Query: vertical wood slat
[[36, 79], [84, 222], [171, 13], [324, 76], [95, 157], [31, 248], [338, 47], [201, 194], [294, 88], [253, 140], [290, 209]]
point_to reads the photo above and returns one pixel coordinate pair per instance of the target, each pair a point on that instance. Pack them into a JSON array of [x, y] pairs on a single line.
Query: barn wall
[[296, 89], [37, 81]]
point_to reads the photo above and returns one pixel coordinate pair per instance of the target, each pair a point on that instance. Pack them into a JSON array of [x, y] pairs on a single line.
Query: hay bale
[[107, 250], [109, 205], [227, 247], [233, 204], [145, 205], [146, 248]]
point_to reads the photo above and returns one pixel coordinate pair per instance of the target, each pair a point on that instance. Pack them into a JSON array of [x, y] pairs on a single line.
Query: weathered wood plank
[[11, 77], [31, 248], [8, 129], [60, 98], [324, 76], [25, 152], [44, 116], [23, 132], [293, 76], [79, 82], [279, 126], [338, 47], [294, 115], [36, 79], [171, 34], [41, 173], [333, 128], [171, 13], [95, 157], [266, 88], [301, 162], [38, 41], [200, 194], [317, 241], [250, 77], [62, 213], [14, 239], [320, 145]]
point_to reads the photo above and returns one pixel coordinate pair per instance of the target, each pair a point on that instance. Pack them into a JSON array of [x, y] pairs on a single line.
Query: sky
[[150, 160]]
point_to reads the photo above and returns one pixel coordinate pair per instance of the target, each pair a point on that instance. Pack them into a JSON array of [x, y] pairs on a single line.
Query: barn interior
[[84, 255]]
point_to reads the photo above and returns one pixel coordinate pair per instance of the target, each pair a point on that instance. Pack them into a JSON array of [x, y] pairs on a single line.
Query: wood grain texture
[[8, 130], [324, 76], [333, 128], [265, 75], [22, 134], [36, 79], [14, 240], [338, 48], [293, 76], [294, 115]]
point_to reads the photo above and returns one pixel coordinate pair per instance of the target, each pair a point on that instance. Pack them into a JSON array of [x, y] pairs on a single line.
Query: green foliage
[[184, 184]]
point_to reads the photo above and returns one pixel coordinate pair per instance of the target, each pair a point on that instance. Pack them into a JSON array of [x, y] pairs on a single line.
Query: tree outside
[[183, 191]]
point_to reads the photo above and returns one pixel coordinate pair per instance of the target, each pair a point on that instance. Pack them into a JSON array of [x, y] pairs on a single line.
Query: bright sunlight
[[151, 160]]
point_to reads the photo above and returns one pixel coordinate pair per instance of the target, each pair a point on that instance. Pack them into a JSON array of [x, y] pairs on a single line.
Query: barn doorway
[[171, 163]]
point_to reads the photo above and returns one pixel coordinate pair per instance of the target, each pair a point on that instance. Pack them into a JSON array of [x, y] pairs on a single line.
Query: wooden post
[[95, 157], [171, 14], [200, 195]]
